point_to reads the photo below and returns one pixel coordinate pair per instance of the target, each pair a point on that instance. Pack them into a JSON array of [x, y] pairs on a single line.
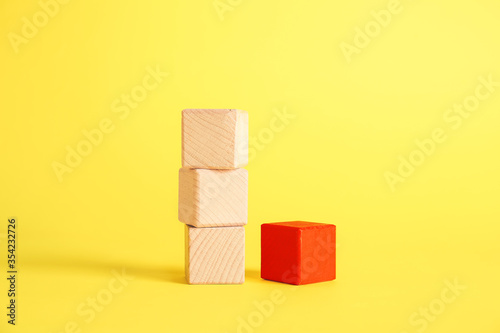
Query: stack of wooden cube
[[213, 194]]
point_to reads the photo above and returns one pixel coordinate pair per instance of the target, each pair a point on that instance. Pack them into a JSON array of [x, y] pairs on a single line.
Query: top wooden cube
[[214, 138]]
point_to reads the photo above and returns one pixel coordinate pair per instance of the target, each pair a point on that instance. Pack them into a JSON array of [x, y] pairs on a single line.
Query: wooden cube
[[215, 255], [214, 138], [298, 252], [213, 198]]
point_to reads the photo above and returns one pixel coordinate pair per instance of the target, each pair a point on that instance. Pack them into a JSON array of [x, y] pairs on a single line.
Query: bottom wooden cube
[[215, 255]]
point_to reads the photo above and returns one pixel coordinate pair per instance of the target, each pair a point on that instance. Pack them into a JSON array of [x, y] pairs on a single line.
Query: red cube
[[298, 252]]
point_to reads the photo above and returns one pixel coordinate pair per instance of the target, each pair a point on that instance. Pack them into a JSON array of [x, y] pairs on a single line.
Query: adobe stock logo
[[454, 117], [30, 28], [277, 124], [122, 106], [264, 309], [310, 264], [372, 29], [223, 6], [90, 309], [426, 315]]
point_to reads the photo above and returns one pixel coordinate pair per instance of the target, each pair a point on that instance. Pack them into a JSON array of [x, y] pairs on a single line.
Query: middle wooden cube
[[213, 198]]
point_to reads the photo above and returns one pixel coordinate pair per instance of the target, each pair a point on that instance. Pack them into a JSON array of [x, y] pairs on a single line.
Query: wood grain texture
[[213, 198], [215, 255], [214, 138]]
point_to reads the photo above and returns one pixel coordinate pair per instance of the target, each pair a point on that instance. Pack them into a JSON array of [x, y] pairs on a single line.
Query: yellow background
[[118, 209]]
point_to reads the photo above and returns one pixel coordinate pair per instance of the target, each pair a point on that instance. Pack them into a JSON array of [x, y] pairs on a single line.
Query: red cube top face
[[298, 252]]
